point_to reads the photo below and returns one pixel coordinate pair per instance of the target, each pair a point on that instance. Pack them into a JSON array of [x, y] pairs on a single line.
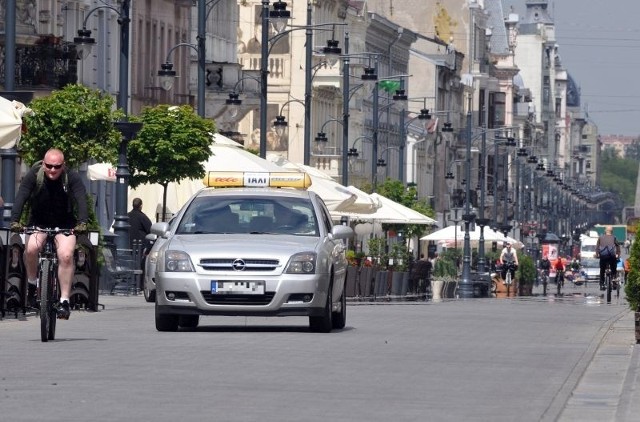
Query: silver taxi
[[258, 244]]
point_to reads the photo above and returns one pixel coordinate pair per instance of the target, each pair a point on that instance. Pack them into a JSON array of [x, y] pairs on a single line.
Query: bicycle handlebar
[[49, 231]]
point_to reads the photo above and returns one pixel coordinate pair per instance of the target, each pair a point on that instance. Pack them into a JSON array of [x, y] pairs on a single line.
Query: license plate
[[237, 287]]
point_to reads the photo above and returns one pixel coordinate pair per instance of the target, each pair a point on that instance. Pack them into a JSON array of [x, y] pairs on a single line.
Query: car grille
[[227, 264], [232, 299]]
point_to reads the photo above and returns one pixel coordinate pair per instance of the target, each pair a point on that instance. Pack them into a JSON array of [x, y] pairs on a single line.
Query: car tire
[[339, 319], [149, 295], [323, 324], [189, 321], [166, 322]]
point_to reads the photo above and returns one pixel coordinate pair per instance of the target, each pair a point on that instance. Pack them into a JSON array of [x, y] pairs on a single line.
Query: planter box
[[450, 288], [365, 282], [399, 283], [351, 281], [437, 286], [381, 287]]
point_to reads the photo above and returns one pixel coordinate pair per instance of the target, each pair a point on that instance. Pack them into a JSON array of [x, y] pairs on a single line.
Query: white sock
[[63, 299], [34, 281]]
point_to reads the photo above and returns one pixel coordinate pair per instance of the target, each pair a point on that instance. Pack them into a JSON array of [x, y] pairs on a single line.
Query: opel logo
[[238, 265]]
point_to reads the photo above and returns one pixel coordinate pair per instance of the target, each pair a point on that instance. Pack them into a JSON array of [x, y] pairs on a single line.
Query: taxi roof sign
[[231, 179]]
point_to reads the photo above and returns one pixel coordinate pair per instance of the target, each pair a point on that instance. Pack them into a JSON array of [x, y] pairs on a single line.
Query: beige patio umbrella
[[11, 113]]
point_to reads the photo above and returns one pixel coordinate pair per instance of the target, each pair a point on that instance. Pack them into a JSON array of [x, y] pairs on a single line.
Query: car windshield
[[249, 215], [590, 263]]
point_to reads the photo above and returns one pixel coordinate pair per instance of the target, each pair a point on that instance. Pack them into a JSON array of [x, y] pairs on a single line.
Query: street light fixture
[[278, 17], [84, 43]]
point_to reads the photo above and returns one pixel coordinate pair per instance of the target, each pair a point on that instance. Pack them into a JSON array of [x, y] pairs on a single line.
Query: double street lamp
[[278, 16], [167, 74], [84, 43]]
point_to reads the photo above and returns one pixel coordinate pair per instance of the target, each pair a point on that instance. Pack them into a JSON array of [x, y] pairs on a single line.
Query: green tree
[[632, 283], [619, 175], [407, 196], [172, 145], [77, 120]]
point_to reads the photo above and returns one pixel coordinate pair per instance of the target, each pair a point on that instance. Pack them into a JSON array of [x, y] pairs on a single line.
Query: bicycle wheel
[[45, 301], [558, 284], [53, 297], [608, 285]]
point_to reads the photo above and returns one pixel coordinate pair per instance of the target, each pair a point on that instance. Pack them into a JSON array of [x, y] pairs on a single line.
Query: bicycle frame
[[48, 285]]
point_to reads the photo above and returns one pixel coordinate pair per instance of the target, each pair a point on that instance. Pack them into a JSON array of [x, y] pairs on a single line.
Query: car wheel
[[149, 295], [323, 324], [339, 319], [188, 321], [166, 322]]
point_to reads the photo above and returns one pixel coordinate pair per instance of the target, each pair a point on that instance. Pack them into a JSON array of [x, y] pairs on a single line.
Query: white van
[[588, 246]]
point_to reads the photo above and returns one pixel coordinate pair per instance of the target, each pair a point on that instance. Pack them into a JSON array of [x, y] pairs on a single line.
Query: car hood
[[243, 245]]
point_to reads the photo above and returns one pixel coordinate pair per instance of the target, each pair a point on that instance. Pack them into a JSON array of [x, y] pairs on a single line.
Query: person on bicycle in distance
[[608, 251], [560, 269], [508, 256], [52, 191]]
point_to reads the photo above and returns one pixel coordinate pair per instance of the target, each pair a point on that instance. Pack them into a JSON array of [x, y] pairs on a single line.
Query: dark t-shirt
[[53, 203]]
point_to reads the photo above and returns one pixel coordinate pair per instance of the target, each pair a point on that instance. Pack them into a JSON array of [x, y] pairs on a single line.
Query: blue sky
[[599, 45]]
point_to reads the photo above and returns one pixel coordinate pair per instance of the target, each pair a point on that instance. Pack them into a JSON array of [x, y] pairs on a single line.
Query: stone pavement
[[596, 364]]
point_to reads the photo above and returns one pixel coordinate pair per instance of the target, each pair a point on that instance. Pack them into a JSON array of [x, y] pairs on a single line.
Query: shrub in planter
[[526, 274]]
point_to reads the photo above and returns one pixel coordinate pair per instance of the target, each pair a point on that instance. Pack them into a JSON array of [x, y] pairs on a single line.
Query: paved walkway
[[596, 364]]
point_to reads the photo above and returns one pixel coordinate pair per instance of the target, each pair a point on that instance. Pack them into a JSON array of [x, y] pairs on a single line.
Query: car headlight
[[302, 263], [177, 261]]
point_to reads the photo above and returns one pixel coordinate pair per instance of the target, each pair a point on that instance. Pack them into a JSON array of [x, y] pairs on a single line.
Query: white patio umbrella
[[451, 235], [11, 113], [388, 211], [336, 196]]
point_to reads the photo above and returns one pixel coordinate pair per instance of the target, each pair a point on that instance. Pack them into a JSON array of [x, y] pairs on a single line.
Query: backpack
[[608, 251], [40, 177]]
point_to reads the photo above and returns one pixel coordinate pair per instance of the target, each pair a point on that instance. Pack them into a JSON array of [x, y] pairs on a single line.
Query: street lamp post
[[465, 287], [128, 130], [9, 154], [279, 16], [345, 112]]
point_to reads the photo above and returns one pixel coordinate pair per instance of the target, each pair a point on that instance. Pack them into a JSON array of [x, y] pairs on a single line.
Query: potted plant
[[445, 273], [400, 256], [632, 285], [526, 275], [352, 273], [380, 258]]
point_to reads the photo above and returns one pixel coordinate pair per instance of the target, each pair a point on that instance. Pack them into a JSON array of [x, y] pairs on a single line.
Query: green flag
[[389, 86]]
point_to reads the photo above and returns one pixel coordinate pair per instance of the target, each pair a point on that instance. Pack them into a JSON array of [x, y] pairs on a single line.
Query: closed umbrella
[[11, 113]]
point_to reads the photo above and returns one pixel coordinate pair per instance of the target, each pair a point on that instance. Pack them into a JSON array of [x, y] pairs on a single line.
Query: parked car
[[253, 246]]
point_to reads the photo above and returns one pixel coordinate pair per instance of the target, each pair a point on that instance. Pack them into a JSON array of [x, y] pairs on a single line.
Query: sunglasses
[[53, 166]]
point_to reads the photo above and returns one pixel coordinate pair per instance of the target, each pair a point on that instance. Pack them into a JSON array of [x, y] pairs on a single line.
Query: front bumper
[[190, 294]]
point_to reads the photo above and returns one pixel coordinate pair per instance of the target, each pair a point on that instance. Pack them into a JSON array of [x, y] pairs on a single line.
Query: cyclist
[[608, 251], [545, 265], [560, 268], [52, 191], [509, 261]]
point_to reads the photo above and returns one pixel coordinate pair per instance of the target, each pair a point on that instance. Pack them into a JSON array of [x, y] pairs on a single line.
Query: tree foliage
[[172, 145], [619, 175], [407, 196], [77, 120], [632, 282]]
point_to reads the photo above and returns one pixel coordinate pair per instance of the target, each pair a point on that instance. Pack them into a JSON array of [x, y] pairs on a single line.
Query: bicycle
[[610, 285], [48, 288], [509, 267], [559, 280], [544, 276]]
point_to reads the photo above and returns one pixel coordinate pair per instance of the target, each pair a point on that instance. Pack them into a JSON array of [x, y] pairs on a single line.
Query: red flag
[[433, 126]]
